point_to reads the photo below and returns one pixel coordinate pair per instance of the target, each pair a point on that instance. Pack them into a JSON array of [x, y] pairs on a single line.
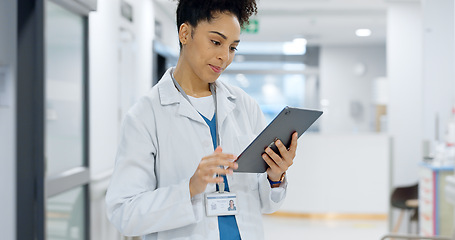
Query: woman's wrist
[[276, 182]]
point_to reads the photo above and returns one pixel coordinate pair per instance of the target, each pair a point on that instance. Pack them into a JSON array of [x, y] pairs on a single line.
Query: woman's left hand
[[279, 165]]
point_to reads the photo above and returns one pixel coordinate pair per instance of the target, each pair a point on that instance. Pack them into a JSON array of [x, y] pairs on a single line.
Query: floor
[[310, 229]]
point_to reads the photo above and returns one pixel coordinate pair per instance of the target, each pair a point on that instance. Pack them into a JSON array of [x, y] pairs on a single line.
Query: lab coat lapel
[[170, 95], [225, 103], [187, 110]]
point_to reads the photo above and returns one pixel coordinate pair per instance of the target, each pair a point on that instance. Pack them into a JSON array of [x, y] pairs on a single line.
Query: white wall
[[106, 71], [438, 65], [105, 25], [8, 33], [339, 173], [168, 25], [404, 67], [103, 42], [341, 86], [143, 27]]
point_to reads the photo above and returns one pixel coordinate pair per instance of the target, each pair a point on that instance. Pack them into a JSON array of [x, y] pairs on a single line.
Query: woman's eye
[[233, 49], [216, 42]]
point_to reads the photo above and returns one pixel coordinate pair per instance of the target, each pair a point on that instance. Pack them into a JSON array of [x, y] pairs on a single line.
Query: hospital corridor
[[227, 119]]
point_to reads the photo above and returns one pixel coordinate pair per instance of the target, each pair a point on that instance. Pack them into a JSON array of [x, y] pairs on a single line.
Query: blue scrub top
[[226, 224]]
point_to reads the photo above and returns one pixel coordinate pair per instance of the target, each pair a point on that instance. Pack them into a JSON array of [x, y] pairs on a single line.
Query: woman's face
[[211, 46]]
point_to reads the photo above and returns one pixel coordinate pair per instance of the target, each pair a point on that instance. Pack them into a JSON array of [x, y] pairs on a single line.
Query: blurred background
[[379, 160]]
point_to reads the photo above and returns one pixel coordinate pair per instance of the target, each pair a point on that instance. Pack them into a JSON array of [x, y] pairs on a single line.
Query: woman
[[166, 163], [231, 206]]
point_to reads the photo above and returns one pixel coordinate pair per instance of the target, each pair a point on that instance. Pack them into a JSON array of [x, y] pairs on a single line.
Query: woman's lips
[[216, 69]]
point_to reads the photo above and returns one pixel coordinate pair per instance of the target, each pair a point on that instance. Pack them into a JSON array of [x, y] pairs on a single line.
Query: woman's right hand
[[208, 169]]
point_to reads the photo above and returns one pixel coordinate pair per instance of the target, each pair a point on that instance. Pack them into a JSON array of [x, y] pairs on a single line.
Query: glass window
[[64, 89], [65, 215]]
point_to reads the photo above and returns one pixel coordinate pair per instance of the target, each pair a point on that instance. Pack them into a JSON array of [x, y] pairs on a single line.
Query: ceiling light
[[301, 41], [363, 32], [293, 48], [296, 47]]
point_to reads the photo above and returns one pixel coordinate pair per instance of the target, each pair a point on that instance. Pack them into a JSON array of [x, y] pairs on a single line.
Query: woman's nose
[[224, 54]]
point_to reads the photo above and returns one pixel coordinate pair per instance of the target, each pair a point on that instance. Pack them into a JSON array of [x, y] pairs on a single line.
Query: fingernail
[[267, 150], [278, 142], [236, 165]]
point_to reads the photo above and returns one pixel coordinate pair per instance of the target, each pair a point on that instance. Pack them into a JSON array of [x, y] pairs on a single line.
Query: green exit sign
[[252, 27]]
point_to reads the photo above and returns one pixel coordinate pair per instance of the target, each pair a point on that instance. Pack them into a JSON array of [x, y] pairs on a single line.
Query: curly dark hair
[[194, 11]]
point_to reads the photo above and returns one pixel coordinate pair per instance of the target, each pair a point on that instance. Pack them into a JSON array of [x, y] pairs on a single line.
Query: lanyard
[[213, 91]]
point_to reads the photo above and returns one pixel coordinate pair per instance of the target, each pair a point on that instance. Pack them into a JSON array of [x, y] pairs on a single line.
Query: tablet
[[288, 121]]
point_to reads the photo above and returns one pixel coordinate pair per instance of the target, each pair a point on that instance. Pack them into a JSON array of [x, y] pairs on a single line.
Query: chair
[[449, 188], [406, 199]]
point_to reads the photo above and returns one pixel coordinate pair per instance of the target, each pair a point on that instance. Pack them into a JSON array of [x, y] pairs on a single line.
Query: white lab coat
[[163, 140]]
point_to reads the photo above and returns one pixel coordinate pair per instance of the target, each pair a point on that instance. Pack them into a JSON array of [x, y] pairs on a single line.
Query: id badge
[[220, 204]]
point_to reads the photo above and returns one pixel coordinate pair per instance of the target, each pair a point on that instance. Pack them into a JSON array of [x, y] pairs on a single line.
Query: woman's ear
[[184, 33]]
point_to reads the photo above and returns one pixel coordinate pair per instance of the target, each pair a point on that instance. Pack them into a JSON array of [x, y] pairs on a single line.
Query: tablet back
[[288, 121]]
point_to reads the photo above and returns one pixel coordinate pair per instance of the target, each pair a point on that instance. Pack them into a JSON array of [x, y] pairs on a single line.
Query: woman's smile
[[216, 69]]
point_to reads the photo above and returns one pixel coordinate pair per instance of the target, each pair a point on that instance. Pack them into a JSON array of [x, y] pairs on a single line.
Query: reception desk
[[436, 214], [341, 175]]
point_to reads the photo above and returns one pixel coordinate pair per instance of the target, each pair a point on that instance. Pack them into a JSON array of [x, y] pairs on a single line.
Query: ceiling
[[320, 22]]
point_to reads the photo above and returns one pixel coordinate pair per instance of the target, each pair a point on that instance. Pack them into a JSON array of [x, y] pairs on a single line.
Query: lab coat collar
[[167, 91], [169, 95], [225, 98]]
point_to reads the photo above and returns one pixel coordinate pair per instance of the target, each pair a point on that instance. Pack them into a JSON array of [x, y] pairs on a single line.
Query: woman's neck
[[190, 83]]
